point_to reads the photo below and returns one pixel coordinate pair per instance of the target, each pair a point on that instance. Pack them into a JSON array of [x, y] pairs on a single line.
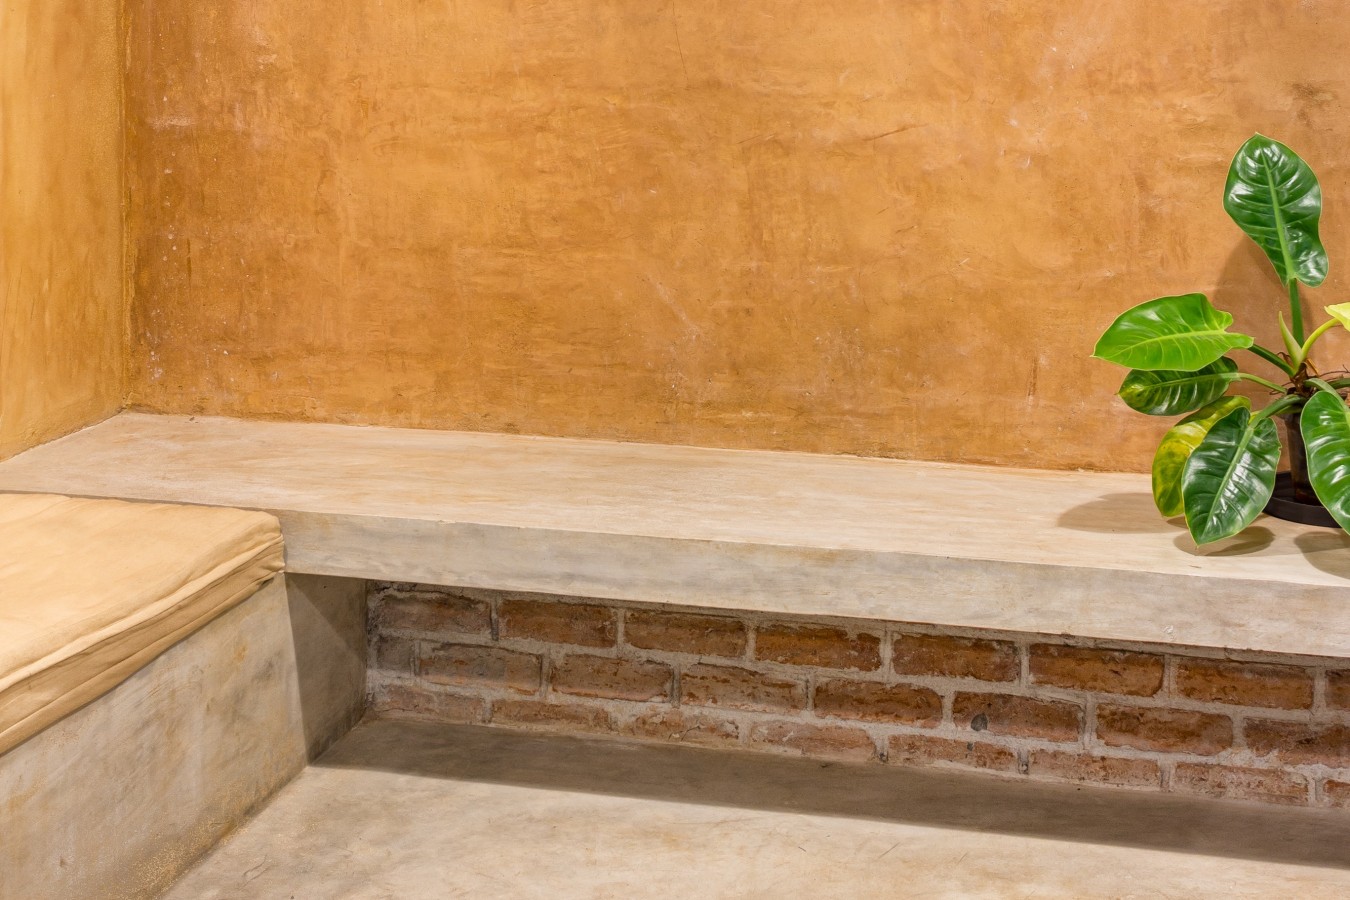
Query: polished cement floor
[[405, 810]]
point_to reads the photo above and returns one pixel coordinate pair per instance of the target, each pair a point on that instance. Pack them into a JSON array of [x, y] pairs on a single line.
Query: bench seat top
[[92, 590], [1059, 553]]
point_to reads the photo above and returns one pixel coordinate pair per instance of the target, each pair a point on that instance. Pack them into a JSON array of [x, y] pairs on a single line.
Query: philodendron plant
[[1217, 465]]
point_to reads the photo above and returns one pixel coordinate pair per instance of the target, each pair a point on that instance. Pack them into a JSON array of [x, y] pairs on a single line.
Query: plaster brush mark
[[675, 19], [900, 130]]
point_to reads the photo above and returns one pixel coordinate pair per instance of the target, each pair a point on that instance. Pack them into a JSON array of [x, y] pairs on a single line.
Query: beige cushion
[[92, 590]]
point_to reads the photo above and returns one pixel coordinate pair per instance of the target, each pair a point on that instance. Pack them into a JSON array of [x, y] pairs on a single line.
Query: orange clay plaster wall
[[62, 317], [850, 227]]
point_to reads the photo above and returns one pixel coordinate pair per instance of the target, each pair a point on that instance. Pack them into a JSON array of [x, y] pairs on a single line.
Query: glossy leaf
[[1183, 333], [1326, 438], [1230, 476], [1340, 312], [1177, 446], [1170, 393], [1274, 197]]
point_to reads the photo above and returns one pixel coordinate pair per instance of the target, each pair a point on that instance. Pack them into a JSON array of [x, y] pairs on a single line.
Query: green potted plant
[[1217, 465]]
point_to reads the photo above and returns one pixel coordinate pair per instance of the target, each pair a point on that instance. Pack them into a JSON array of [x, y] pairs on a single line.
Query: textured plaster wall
[[878, 228], [62, 316]]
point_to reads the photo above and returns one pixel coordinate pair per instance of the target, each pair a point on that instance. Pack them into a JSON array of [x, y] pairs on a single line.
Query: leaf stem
[[1322, 386], [1295, 308], [1261, 381], [1275, 409], [1273, 358], [1312, 338]]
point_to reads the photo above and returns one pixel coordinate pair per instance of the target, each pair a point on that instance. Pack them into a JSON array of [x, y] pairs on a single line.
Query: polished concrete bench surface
[[1079, 554]]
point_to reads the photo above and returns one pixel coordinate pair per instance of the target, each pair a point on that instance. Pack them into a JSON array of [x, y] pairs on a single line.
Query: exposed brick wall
[[1186, 720]]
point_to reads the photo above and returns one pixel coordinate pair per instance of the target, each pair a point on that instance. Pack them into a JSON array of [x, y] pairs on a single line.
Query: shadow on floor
[[872, 792]]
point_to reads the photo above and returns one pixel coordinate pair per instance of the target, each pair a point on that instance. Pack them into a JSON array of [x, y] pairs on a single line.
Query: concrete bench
[[1056, 553], [1038, 625], [151, 687]]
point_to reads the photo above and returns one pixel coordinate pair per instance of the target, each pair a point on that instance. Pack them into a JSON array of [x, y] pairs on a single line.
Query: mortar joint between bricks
[[751, 631], [1319, 698], [494, 619], [1024, 664], [1169, 685], [545, 676], [1089, 722]]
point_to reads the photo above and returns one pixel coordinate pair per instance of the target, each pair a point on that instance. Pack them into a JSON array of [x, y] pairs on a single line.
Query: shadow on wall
[[876, 793]]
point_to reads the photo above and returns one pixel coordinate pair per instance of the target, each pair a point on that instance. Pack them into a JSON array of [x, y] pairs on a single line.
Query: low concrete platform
[[1055, 553], [411, 810]]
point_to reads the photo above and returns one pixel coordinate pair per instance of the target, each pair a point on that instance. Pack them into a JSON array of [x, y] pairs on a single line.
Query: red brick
[[955, 657], [472, 664], [920, 750], [871, 701], [683, 727], [404, 700], [818, 645], [1245, 684], [394, 654], [1089, 769], [558, 623], [538, 714], [433, 613], [1235, 783], [1169, 730], [1004, 714], [1338, 689], [737, 688], [1300, 743], [1337, 793], [1105, 671], [681, 633], [826, 741], [612, 679]]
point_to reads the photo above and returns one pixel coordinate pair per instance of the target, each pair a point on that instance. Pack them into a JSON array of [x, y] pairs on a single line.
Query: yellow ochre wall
[[852, 227], [62, 316]]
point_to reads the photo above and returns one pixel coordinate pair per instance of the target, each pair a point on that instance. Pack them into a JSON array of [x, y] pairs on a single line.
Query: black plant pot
[[1294, 499]]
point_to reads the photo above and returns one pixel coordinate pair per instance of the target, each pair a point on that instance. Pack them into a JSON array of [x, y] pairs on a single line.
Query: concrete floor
[[405, 810]]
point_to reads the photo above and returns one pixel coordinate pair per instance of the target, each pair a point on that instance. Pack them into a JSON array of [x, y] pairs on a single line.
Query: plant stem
[[1261, 381], [1273, 358], [1296, 309]]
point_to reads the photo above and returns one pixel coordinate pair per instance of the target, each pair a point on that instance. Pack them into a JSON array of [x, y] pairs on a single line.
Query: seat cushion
[[92, 590]]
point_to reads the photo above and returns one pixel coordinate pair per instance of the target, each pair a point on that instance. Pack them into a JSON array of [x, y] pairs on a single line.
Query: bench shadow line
[[921, 797]]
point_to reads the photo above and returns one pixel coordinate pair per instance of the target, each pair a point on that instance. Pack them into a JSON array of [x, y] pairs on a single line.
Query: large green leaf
[[1177, 446], [1184, 333], [1326, 438], [1166, 392], [1274, 197], [1230, 476]]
